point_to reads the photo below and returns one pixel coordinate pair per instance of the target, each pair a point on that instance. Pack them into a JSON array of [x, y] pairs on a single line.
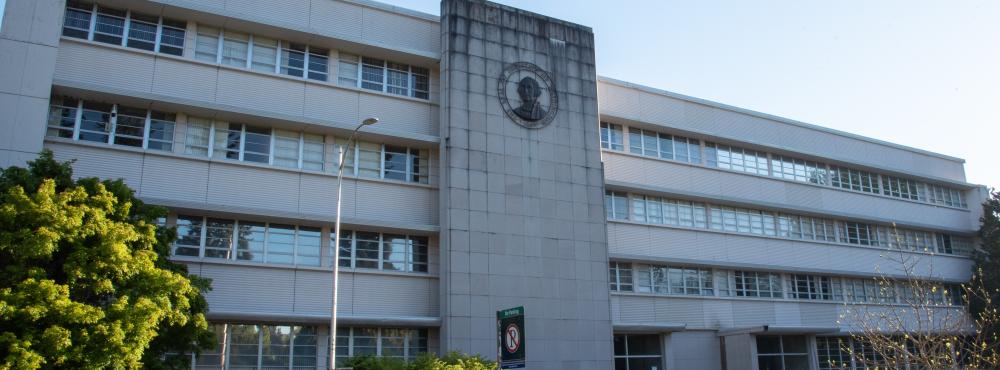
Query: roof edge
[[772, 117], [395, 9]]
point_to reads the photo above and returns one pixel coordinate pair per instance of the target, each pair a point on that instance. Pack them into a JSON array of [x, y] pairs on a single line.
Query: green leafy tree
[[988, 263], [84, 278]]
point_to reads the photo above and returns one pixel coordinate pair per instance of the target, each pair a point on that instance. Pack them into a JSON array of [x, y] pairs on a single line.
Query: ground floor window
[[248, 346], [386, 342], [638, 352], [782, 352]]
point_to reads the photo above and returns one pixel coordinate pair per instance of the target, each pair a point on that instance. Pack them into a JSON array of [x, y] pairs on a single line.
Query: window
[[754, 284], [198, 136], [611, 136], [386, 342], [832, 354], [620, 275], [77, 20], [243, 142], [652, 144], [951, 244], [405, 164], [293, 59], [372, 73], [369, 159], [808, 228], [142, 31], [638, 352], [869, 291], [616, 205], [248, 346], [129, 126], [782, 352], [265, 54], [72, 118], [347, 70], [110, 25], [62, 116], [319, 63], [371, 250], [798, 170], [902, 188], [743, 220], [667, 211], [858, 233], [397, 79], [286, 148], [737, 159], [122, 27], [643, 142], [172, 37], [673, 280], [813, 287], [254, 241], [945, 196], [234, 48], [313, 146], [420, 82], [854, 179], [161, 131], [913, 240], [207, 44]]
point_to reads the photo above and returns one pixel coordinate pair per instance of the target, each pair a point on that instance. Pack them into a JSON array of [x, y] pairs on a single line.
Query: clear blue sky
[[919, 73]]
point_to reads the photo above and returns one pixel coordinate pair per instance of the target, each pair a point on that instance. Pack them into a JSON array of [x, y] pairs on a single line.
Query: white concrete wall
[[29, 37]]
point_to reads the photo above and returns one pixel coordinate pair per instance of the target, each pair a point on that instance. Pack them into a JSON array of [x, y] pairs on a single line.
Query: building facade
[[638, 228]]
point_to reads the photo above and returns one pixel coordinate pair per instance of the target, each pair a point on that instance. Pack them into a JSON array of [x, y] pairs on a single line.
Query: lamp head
[[369, 121]]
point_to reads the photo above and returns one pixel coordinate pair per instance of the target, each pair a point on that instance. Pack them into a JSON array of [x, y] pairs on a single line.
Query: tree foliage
[[424, 361], [988, 260], [84, 278]]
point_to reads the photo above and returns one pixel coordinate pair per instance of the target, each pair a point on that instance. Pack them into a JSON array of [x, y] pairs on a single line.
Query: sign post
[[510, 338]]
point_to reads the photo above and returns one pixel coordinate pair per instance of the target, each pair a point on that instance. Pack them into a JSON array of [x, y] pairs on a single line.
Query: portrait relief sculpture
[[527, 95], [529, 91]]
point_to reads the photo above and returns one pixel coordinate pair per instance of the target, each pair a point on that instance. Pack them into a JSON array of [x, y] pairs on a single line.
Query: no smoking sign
[[510, 338]]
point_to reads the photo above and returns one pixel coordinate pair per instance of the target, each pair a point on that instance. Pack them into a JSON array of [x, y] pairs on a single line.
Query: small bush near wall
[[425, 361]]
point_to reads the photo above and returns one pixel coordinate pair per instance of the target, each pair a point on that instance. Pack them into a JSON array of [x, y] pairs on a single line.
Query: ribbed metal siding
[[752, 189], [240, 187], [722, 249], [634, 104], [184, 81]]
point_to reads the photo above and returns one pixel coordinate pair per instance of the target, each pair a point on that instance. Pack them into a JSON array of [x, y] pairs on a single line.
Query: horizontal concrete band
[[407, 321]]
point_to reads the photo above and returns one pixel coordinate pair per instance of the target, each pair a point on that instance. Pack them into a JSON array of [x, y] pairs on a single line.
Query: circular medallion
[[527, 94]]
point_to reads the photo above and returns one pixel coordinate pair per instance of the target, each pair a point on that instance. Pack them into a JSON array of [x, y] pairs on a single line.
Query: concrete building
[[504, 172]]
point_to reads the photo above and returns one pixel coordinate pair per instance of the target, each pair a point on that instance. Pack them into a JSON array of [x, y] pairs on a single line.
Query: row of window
[[263, 242], [847, 353], [90, 21], [663, 211], [672, 280], [150, 129], [249, 346], [384, 342], [672, 147]]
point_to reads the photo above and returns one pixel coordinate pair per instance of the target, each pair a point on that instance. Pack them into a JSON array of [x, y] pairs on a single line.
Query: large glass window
[[110, 123], [348, 69], [319, 63], [293, 59], [616, 204], [400, 343], [110, 25], [832, 353], [172, 37], [254, 241], [798, 170], [265, 54], [673, 280], [902, 188], [858, 233], [813, 287], [207, 44], [161, 131], [945, 196], [77, 19], [784, 352], [754, 284], [234, 48], [142, 31], [737, 159], [249, 346], [638, 352], [372, 250], [198, 136], [62, 116], [612, 136], [405, 164], [620, 274], [130, 126], [372, 73], [652, 144], [847, 178]]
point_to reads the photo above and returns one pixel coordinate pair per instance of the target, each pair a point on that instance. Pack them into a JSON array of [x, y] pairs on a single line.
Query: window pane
[[372, 71], [293, 59], [265, 54], [258, 144], [347, 70], [251, 241], [62, 117], [142, 31], [172, 37], [286, 148], [207, 44], [96, 122], [218, 238], [395, 162], [130, 126], [110, 25], [77, 20], [234, 48], [319, 62], [161, 131], [312, 152], [189, 229]]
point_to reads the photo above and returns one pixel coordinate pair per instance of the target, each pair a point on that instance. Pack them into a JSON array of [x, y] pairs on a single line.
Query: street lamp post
[[336, 239]]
